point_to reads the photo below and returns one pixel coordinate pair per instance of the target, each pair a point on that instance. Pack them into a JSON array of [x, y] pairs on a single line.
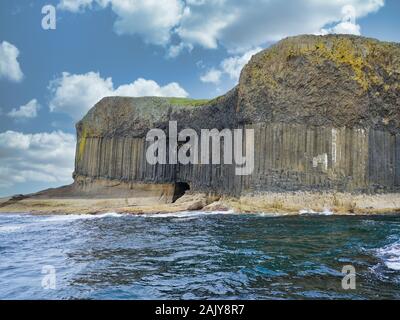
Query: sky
[[50, 78]]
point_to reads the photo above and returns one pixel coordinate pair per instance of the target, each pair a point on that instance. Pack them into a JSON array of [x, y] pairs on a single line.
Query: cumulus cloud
[[75, 94], [79, 6], [347, 25], [142, 87], [151, 19], [212, 76], [40, 157], [233, 66], [175, 50], [26, 111], [240, 26], [75, 5], [9, 65], [201, 25], [230, 67], [236, 24]]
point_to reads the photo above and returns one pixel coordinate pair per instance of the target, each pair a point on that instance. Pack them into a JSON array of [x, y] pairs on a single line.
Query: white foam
[[109, 214], [391, 255], [72, 217], [187, 214], [10, 228], [326, 212], [14, 215], [271, 214], [393, 265], [307, 211]]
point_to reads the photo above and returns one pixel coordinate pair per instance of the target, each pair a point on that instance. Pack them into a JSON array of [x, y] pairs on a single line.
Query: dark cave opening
[[180, 190]]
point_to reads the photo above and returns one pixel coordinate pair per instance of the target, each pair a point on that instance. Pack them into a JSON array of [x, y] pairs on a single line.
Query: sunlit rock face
[[336, 80], [325, 112]]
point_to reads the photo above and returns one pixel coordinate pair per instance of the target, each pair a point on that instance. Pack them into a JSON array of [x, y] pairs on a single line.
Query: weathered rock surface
[[335, 80], [325, 111]]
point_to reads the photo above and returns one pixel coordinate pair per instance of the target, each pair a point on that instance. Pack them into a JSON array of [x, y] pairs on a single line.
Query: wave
[[32, 222], [187, 214], [14, 215], [72, 217], [390, 255], [326, 212], [10, 228], [271, 214]]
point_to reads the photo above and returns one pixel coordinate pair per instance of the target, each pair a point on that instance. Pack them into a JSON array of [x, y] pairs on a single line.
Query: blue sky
[[194, 48]]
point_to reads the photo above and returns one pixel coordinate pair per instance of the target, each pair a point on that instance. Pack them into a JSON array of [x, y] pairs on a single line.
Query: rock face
[[339, 81], [325, 112]]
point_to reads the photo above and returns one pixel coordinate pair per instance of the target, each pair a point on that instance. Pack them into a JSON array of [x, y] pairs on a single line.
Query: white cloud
[[40, 157], [175, 50], [240, 26], [211, 76], [342, 28], [151, 19], [75, 5], [9, 65], [142, 87], [236, 24], [28, 110], [200, 25], [347, 25], [75, 94], [233, 66], [230, 67], [79, 6]]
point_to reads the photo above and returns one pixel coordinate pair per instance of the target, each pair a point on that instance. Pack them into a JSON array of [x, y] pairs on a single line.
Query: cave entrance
[[180, 190]]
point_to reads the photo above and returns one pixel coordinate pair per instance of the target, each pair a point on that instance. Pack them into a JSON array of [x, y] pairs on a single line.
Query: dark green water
[[199, 256]]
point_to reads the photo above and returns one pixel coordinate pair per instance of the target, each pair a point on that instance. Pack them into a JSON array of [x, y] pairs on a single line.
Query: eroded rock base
[[279, 203]]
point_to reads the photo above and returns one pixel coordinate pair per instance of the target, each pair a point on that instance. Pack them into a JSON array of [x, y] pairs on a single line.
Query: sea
[[199, 255]]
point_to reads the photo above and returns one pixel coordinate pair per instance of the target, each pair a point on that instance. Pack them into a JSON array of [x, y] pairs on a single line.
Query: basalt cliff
[[326, 117]]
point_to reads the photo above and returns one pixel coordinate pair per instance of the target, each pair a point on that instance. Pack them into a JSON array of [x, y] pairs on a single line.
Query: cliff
[[331, 81], [325, 110]]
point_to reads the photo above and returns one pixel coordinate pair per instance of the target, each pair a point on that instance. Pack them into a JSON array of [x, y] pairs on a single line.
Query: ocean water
[[198, 256]]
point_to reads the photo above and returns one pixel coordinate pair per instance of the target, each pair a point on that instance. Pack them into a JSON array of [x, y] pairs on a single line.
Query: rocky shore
[[293, 203]]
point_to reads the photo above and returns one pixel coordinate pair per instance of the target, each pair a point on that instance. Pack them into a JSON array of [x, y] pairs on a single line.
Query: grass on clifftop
[[188, 102]]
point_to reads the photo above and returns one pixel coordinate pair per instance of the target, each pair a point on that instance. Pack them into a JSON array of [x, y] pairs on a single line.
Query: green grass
[[188, 102]]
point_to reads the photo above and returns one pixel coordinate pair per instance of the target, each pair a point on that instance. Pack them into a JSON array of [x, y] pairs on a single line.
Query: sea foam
[[10, 228], [187, 214], [390, 255], [72, 217], [325, 212]]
